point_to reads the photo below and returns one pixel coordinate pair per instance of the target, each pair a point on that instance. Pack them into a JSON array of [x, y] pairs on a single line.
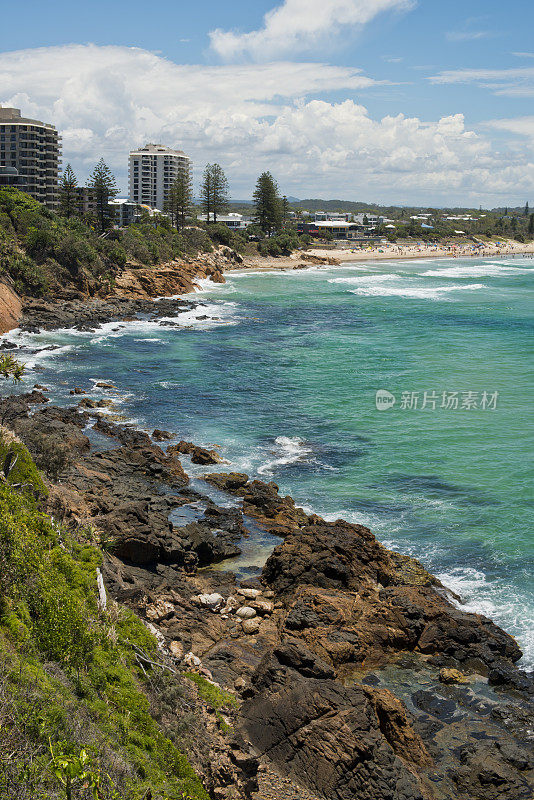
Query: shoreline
[[335, 622], [335, 257], [333, 615]]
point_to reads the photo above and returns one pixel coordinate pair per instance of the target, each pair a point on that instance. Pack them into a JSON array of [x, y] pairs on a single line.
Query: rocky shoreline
[[355, 672], [355, 675]]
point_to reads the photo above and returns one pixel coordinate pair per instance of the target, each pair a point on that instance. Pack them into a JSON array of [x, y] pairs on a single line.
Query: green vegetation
[[11, 368], [42, 251], [180, 203], [268, 205], [78, 706], [215, 697], [214, 192], [103, 188], [17, 466]]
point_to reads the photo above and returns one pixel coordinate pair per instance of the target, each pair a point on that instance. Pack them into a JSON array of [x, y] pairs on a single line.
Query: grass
[[69, 677]]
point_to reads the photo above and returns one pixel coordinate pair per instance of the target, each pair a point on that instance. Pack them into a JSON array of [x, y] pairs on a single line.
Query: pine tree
[[526, 209], [267, 204], [180, 200], [214, 192], [531, 225], [104, 188], [68, 199], [285, 210]]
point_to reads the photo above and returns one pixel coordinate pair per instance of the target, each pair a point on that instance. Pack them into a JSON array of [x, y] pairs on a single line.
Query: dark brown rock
[[199, 455]]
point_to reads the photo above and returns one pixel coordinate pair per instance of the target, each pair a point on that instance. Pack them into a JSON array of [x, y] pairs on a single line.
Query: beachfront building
[[9, 176], [151, 172], [33, 148], [328, 216], [125, 212], [369, 220], [237, 222]]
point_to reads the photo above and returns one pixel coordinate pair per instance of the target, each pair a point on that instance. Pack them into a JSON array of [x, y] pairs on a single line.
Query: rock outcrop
[[10, 307], [358, 674]]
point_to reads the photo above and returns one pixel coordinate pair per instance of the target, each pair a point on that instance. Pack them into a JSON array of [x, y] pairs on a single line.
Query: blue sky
[[418, 102]]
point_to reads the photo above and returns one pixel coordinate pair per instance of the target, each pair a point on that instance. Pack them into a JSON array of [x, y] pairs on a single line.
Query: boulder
[[212, 601], [451, 676], [245, 612], [250, 594], [250, 626], [199, 455], [326, 736]]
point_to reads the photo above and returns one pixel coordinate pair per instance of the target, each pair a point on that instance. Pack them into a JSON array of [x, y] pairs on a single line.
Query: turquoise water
[[283, 376]]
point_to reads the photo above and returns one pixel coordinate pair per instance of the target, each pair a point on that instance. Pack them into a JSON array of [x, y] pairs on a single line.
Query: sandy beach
[[386, 251]]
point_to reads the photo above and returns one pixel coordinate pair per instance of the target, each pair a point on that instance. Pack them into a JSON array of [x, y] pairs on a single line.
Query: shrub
[[74, 253], [24, 471], [40, 242], [50, 454]]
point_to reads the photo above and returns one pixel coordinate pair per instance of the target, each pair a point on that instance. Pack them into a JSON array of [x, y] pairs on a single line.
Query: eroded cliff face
[[10, 308]]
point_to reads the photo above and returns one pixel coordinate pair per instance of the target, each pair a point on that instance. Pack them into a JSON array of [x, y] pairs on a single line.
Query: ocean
[[281, 370]]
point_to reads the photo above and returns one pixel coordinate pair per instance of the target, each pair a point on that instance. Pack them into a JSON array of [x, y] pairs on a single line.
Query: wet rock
[[324, 735], [161, 436], [199, 455], [228, 481], [450, 676], [490, 771], [443, 708]]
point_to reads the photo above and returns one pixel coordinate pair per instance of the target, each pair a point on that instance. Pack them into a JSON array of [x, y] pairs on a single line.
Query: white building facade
[[33, 148], [151, 172]]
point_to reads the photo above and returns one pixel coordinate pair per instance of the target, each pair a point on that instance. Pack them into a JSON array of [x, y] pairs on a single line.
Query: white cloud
[[299, 25], [107, 100], [521, 126], [513, 82], [468, 36]]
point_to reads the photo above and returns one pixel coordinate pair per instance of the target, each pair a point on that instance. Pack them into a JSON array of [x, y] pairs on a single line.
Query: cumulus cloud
[[108, 100], [513, 82], [299, 25]]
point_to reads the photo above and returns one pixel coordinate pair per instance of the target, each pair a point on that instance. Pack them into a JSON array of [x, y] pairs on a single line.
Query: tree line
[[271, 210]]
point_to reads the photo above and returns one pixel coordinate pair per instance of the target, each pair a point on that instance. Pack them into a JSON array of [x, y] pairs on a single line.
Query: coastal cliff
[[349, 670], [10, 308]]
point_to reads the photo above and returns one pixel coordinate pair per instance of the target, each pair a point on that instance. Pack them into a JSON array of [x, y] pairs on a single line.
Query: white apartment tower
[[34, 149], [152, 171]]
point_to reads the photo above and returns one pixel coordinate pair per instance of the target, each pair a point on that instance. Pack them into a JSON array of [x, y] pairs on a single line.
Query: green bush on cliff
[[70, 680], [22, 468]]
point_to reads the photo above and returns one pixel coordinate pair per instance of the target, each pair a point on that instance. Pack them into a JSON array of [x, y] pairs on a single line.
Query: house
[[236, 222]]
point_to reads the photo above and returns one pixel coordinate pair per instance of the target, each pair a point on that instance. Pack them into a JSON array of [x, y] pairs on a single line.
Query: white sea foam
[[477, 271], [289, 450], [413, 292], [358, 280], [495, 600], [206, 316]]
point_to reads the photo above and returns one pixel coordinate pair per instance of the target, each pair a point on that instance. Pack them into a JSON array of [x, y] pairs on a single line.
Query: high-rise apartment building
[[152, 171], [34, 149]]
